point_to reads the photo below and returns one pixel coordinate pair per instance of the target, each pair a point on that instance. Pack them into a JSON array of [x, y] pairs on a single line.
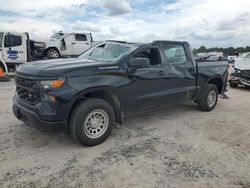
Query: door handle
[[73, 43], [191, 70], [161, 73]]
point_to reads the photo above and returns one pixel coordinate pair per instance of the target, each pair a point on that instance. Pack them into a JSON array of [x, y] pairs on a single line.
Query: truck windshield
[[1, 39], [57, 36], [107, 52]]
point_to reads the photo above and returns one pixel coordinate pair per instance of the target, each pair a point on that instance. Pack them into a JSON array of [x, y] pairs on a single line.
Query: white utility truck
[[15, 49], [67, 44]]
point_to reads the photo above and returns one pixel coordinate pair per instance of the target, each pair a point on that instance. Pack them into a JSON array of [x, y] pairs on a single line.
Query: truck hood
[[242, 64], [57, 67]]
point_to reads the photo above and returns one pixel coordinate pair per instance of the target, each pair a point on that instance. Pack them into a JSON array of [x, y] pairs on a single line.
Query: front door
[[68, 42], [14, 48], [147, 89]]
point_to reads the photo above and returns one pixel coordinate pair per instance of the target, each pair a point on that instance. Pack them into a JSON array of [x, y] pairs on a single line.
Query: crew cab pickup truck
[[67, 44], [111, 81]]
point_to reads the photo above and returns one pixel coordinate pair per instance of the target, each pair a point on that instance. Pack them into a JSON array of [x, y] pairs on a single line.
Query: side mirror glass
[[139, 62]]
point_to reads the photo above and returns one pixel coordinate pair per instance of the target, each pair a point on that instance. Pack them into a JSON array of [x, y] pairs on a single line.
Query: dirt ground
[[175, 147]]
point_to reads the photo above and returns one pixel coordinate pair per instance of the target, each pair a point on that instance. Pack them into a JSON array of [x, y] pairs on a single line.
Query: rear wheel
[[53, 53], [91, 122], [233, 84], [209, 98]]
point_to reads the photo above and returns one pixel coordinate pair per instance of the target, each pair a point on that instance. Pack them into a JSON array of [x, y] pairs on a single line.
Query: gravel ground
[[175, 147]]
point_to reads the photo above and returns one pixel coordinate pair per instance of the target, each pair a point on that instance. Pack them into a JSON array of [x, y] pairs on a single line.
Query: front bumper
[[31, 119], [239, 80]]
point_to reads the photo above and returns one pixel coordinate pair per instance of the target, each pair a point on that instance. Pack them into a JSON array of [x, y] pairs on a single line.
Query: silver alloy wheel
[[96, 123], [54, 54], [211, 98]]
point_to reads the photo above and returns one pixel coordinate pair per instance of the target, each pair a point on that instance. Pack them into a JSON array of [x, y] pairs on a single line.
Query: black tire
[[233, 85], [53, 53], [78, 127], [203, 103]]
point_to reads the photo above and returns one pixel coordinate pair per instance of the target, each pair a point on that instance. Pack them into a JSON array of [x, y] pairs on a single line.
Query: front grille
[[25, 82], [27, 90], [246, 73]]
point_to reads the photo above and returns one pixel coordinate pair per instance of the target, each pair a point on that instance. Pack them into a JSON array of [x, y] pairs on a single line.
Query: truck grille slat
[[27, 90]]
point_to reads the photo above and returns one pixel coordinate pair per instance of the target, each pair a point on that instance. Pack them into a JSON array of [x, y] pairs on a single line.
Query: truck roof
[[152, 43]]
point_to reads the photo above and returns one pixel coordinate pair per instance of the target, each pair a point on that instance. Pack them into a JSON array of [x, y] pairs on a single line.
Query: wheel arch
[[217, 81], [108, 94], [4, 65], [52, 47]]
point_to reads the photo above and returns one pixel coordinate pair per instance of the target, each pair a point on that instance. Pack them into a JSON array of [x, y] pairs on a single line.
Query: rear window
[[80, 37], [12, 40]]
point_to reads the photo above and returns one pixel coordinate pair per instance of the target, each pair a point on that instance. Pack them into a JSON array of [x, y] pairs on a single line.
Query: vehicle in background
[[111, 81], [245, 55], [214, 58], [231, 59], [240, 74], [66, 44], [15, 49]]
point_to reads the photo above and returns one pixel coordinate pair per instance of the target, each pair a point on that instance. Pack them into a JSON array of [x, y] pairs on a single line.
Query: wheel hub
[[96, 123], [211, 99]]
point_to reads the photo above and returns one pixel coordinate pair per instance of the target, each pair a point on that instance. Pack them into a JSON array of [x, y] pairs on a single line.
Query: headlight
[[52, 84]]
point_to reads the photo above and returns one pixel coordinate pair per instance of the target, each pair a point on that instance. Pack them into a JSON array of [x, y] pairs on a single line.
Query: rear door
[[81, 44], [181, 71], [14, 48]]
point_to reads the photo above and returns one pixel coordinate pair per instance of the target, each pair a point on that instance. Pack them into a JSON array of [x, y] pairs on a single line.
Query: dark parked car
[[113, 80]]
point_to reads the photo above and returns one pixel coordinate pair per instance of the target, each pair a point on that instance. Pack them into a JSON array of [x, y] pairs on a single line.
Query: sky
[[213, 23]]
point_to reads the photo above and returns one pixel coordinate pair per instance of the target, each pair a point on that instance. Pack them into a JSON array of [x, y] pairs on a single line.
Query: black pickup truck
[[113, 80]]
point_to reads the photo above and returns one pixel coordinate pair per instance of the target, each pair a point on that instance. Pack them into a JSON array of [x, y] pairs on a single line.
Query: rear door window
[[174, 53], [80, 37], [12, 40]]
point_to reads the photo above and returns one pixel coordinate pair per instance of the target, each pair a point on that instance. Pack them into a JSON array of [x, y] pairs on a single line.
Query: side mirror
[[138, 62]]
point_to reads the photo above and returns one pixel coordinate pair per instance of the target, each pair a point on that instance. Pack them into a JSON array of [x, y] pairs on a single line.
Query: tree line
[[226, 51]]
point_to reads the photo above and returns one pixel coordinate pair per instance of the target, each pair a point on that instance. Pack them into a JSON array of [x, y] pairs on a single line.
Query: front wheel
[[209, 98], [53, 53], [91, 122]]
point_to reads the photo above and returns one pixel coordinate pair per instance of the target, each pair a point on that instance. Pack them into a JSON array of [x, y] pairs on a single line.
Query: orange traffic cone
[[1, 72]]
